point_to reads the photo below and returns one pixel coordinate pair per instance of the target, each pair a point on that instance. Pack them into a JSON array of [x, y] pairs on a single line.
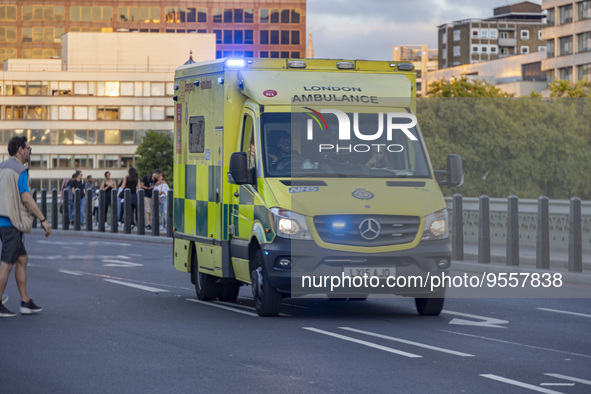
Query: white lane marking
[[519, 384], [70, 272], [487, 321], [565, 312], [231, 304], [364, 343], [576, 380], [81, 243], [557, 384], [136, 286], [517, 343], [438, 349], [215, 305], [119, 263]]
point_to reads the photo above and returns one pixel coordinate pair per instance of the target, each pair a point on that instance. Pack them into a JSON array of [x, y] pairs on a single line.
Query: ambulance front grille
[[367, 230]]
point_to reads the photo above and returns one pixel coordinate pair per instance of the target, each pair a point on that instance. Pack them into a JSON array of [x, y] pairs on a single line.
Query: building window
[[89, 14], [566, 14], [584, 71], [8, 12], [584, 10], [444, 38], [264, 37], [456, 51], [550, 48], [493, 49], [457, 35], [550, 21], [202, 15], [532, 72], [524, 50], [474, 33], [218, 36], [8, 34], [217, 15], [584, 41], [541, 49], [504, 35], [494, 34], [525, 34], [565, 74], [264, 15], [475, 49], [484, 49], [248, 37], [484, 33], [566, 45]]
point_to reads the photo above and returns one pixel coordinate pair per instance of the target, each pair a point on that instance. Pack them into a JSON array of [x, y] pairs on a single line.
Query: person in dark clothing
[[131, 182], [76, 183], [107, 185]]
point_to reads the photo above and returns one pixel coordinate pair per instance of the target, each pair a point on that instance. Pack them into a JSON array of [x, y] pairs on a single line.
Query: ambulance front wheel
[[205, 286], [431, 306], [267, 300]]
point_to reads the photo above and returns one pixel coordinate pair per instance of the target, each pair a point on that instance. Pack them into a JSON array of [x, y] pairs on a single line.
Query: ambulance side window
[[196, 134], [248, 141]]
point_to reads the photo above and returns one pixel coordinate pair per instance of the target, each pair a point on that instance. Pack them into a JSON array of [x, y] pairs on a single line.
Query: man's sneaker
[[28, 308], [5, 312], [4, 299]]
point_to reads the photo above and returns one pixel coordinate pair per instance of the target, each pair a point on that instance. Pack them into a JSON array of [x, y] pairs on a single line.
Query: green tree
[[156, 151], [563, 88], [464, 87]]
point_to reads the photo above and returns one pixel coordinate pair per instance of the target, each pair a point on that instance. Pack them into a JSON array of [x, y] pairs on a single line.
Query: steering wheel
[[285, 162]]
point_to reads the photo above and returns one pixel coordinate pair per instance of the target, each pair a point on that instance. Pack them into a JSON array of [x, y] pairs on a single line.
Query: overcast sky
[[368, 29]]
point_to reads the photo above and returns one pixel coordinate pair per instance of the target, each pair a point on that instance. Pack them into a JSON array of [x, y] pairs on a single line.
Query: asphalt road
[[118, 318]]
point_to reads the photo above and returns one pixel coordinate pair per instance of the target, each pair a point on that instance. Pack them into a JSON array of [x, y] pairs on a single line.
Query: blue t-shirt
[[23, 186]]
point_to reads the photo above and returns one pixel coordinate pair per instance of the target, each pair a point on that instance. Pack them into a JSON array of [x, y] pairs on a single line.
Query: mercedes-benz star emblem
[[369, 229]]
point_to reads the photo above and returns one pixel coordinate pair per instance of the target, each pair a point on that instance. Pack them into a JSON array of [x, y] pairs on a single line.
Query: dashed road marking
[[364, 343], [520, 384], [576, 380], [565, 312], [425, 346], [486, 321], [71, 272], [217, 305], [136, 286]]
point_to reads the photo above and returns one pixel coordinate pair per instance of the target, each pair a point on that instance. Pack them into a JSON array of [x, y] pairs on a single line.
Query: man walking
[[17, 209]]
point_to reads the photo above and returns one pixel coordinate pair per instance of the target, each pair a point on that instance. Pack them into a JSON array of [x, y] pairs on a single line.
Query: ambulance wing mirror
[[238, 174], [454, 175]]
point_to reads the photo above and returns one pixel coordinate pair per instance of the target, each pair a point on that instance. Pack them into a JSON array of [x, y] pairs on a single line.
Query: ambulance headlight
[[288, 224], [436, 226]]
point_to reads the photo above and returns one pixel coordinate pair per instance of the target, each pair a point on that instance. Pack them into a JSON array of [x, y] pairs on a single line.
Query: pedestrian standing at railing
[[162, 189], [17, 211], [131, 182], [76, 183], [107, 185], [72, 190]]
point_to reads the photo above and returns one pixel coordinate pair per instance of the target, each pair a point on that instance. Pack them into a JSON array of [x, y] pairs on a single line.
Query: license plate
[[380, 272]]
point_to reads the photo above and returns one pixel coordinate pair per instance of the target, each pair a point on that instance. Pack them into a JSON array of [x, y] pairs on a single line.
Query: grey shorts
[[12, 244]]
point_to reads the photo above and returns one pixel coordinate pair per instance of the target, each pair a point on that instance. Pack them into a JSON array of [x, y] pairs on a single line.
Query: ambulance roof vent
[[345, 65], [296, 64], [405, 66]]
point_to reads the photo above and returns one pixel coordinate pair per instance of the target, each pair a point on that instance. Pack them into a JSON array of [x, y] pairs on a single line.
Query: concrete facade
[[516, 74], [85, 111], [568, 39]]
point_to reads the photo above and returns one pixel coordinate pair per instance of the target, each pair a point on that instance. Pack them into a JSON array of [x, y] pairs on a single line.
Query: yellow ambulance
[[301, 177]]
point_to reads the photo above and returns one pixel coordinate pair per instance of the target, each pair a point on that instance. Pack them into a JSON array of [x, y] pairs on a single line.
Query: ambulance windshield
[[332, 143]]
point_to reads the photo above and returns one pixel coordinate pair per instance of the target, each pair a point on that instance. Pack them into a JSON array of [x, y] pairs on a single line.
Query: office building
[[422, 58], [90, 109], [32, 29], [514, 29], [568, 39]]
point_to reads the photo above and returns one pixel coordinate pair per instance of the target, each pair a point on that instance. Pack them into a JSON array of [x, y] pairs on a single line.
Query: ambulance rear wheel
[[205, 286], [267, 300], [228, 291]]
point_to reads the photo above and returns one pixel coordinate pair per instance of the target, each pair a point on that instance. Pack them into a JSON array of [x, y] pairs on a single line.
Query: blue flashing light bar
[[235, 62], [338, 225]]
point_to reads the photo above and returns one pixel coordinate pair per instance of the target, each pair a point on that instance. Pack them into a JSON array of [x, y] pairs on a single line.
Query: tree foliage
[[523, 146], [561, 88], [156, 151], [464, 87]]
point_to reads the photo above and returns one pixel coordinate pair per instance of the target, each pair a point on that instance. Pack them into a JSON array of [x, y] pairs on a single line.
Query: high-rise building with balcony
[[568, 39], [514, 29], [32, 29]]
